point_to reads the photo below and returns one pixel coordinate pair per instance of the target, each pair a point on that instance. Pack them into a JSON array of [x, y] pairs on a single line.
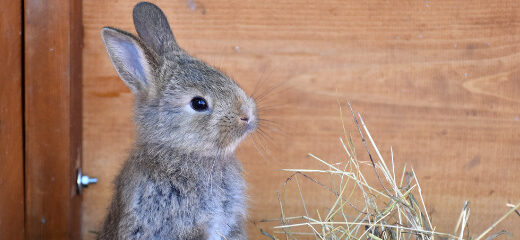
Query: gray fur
[[152, 26], [181, 180]]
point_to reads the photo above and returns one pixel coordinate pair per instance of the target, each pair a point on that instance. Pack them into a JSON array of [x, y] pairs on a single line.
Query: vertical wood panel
[[11, 122], [52, 118]]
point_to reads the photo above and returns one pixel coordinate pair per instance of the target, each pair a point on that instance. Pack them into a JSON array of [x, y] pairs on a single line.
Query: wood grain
[[11, 122], [52, 118], [437, 80]]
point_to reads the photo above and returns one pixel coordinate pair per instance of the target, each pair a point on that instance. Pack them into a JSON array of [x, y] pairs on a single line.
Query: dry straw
[[389, 210]]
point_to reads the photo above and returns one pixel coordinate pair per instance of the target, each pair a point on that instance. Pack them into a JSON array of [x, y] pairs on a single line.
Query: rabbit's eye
[[199, 104]]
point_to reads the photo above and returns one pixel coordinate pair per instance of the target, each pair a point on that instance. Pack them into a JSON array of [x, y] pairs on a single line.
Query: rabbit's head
[[180, 101]]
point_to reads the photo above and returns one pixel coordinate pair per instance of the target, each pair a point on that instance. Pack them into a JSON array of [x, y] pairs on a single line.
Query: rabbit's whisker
[[254, 139], [263, 77], [263, 137], [269, 90]]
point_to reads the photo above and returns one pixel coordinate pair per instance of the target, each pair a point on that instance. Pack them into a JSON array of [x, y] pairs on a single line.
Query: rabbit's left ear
[[133, 61], [152, 27]]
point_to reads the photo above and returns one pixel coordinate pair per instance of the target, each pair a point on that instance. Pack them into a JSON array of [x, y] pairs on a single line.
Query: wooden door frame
[[11, 122], [52, 115]]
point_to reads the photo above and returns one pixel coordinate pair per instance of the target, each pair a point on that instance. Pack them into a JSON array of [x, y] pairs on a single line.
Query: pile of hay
[[392, 209]]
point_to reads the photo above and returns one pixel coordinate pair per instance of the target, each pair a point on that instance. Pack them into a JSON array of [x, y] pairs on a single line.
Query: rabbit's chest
[[225, 212], [213, 209]]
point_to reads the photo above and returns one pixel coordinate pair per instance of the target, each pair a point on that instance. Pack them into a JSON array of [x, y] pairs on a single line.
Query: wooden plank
[[52, 118], [437, 80], [11, 122]]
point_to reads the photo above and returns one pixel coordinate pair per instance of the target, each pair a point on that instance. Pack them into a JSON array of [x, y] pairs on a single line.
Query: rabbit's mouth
[[247, 127], [251, 126], [249, 119]]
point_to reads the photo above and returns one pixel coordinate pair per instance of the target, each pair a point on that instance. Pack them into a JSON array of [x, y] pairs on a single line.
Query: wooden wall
[[437, 80]]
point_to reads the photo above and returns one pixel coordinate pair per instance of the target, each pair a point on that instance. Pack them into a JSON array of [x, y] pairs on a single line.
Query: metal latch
[[83, 181]]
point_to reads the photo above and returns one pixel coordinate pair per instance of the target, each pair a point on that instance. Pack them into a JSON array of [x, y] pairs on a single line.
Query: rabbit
[[181, 180]]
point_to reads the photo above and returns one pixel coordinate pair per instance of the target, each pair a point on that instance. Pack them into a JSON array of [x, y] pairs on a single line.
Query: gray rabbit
[[181, 180]]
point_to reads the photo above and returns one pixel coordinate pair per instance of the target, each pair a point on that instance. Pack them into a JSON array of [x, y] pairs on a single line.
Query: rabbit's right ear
[[133, 61], [152, 26]]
